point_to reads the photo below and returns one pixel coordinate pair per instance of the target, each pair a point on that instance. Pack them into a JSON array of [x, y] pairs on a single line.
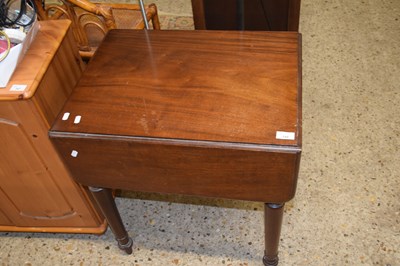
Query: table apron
[[243, 174]]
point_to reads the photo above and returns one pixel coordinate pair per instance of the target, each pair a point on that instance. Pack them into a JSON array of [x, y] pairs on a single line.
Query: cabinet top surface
[[30, 71], [239, 87]]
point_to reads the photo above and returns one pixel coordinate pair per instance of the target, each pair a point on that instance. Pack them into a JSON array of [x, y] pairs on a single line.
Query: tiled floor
[[347, 207]]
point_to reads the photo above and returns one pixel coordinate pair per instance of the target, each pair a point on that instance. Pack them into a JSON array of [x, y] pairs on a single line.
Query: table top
[[219, 86], [30, 71]]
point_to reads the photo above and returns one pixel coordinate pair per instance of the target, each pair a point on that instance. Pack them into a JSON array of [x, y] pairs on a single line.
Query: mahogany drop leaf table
[[204, 113]]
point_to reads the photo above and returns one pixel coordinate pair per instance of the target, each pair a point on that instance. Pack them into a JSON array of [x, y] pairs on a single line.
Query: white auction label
[[65, 116], [285, 135], [77, 119], [16, 87]]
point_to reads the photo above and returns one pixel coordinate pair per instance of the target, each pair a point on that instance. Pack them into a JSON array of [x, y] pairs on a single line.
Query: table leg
[[273, 214], [106, 203]]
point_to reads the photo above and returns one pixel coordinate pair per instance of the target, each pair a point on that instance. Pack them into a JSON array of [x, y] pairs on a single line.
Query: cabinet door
[[4, 220], [34, 186]]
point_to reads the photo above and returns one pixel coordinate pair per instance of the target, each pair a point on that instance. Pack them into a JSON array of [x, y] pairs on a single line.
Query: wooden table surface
[[193, 85]]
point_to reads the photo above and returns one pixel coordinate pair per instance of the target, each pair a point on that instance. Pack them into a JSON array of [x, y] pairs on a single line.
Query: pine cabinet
[[36, 191]]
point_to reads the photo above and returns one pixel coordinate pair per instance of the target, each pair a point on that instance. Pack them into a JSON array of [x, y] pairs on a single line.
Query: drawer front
[[181, 168]]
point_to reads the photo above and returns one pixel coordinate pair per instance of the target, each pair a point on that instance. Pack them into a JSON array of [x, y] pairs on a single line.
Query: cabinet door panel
[[24, 177], [4, 219]]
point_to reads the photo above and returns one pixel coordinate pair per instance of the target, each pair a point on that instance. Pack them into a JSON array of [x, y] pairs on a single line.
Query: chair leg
[[154, 18]]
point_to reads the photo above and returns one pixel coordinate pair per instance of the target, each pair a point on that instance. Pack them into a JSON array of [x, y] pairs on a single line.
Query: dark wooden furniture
[[206, 113], [37, 194], [271, 15]]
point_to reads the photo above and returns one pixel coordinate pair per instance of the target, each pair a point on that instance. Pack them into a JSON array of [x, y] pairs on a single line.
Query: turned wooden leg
[[106, 203], [273, 214]]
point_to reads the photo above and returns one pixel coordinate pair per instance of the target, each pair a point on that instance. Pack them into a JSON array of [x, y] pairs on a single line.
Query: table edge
[[179, 142]]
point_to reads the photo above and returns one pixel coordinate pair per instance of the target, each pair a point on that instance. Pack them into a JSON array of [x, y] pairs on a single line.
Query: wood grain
[[37, 59], [215, 86], [36, 191], [270, 15], [182, 168], [189, 112]]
